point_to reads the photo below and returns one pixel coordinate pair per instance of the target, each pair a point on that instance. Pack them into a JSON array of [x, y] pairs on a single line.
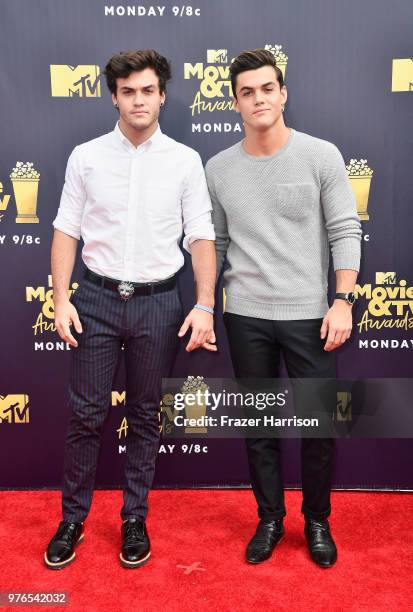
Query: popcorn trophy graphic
[[197, 407], [280, 57], [360, 178], [25, 181]]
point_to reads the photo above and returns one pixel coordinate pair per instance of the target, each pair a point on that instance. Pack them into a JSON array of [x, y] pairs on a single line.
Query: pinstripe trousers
[[147, 326]]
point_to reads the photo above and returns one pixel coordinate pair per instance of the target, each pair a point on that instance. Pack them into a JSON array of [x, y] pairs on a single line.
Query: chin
[[141, 124], [261, 126]]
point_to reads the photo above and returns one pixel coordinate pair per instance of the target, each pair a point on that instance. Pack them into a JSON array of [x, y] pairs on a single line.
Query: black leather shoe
[[267, 536], [60, 551], [136, 547], [321, 545]]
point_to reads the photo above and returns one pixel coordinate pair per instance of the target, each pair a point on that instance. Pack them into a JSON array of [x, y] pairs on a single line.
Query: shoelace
[[66, 532], [262, 535], [318, 530], [133, 531], [316, 525]]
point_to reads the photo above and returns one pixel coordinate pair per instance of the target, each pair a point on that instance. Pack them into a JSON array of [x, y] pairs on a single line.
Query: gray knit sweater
[[274, 218]]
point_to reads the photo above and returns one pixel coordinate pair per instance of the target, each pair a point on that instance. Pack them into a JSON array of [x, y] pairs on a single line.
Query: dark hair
[[251, 60], [122, 64]]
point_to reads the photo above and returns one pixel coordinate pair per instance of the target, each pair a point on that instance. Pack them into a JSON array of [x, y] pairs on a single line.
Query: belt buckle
[[126, 290]]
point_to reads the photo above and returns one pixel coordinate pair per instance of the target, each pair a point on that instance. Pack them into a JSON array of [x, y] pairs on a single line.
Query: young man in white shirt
[[130, 194]]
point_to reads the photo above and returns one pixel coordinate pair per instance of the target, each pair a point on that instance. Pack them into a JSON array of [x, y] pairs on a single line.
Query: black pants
[[148, 327], [256, 346]]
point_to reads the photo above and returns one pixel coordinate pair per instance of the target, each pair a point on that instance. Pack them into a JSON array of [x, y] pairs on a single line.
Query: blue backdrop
[[349, 71]]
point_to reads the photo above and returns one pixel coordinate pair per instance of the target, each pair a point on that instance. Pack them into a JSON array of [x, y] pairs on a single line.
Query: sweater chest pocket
[[296, 201]]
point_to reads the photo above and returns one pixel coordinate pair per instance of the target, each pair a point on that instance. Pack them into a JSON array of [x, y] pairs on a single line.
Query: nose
[[258, 98], [138, 100]]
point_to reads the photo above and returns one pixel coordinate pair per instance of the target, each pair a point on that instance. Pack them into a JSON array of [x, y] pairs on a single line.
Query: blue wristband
[[206, 308]]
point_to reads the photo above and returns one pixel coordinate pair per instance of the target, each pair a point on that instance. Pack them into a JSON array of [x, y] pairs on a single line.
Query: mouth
[[262, 110], [139, 113]]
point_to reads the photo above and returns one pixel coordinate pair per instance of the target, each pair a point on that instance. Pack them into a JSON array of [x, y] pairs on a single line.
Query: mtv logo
[[402, 75], [14, 408], [385, 278], [343, 406], [81, 81], [217, 56]]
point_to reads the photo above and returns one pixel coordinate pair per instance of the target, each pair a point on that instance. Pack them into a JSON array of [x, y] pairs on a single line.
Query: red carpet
[[208, 531]]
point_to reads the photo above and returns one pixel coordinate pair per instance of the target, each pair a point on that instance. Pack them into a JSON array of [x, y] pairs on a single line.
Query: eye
[[246, 93]]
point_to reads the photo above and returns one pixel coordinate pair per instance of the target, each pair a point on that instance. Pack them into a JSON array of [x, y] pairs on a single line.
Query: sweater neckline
[[266, 158]]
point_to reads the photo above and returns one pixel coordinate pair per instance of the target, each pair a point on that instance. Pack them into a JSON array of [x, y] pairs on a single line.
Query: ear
[[284, 94], [236, 107], [163, 97], [114, 99]]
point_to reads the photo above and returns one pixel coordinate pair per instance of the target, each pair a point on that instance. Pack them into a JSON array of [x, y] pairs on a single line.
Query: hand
[[337, 324], [66, 315], [203, 335]]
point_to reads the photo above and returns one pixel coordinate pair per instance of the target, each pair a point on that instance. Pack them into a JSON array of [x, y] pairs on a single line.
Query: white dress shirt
[[131, 204]]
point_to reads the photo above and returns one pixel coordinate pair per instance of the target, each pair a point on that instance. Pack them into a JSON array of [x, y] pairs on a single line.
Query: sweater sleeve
[[340, 212], [219, 220]]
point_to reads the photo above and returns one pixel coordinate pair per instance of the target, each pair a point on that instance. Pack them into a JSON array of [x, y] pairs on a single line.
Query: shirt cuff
[[201, 235], [67, 229]]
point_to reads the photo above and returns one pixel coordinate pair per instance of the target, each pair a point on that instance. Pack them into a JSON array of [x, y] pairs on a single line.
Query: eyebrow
[[125, 87], [265, 85]]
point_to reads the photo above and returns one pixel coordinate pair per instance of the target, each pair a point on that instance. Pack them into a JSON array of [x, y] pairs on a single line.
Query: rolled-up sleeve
[[196, 206], [73, 198]]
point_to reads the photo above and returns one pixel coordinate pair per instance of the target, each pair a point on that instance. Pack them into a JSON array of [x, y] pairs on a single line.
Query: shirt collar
[[152, 140]]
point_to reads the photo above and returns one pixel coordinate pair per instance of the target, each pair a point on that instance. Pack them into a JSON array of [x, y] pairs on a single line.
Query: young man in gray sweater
[[280, 198]]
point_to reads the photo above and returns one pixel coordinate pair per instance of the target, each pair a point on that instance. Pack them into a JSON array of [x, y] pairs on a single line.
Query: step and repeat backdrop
[[349, 71]]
